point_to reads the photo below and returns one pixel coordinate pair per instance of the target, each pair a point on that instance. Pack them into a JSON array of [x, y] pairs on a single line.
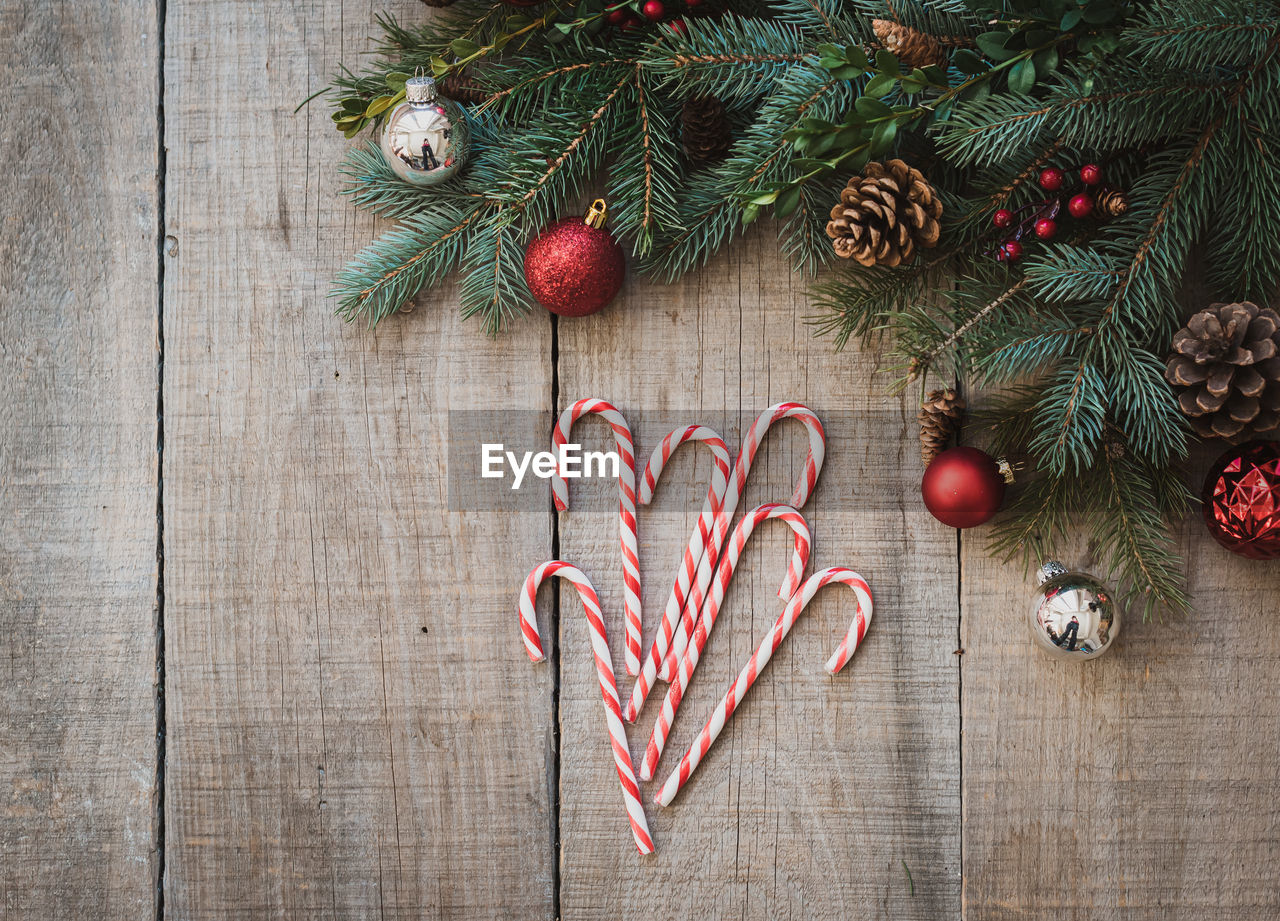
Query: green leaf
[[882, 137], [1022, 76], [936, 75], [1070, 20], [439, 66], [856, 57], [880, 85], [886, 63], [992, 44], [871, 107], [749, 213], [396, 81], [788, 201], [465, 48], [764, 198], [1046, 61], [967, 62], [377, 106], [1098, 13]]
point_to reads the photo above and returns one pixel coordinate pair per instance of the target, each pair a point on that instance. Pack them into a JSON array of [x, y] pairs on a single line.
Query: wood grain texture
[[821, 793], [1140, 786], [78, 460], [347, 739]]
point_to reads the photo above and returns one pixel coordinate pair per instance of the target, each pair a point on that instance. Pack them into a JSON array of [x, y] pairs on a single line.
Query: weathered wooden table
[[256, 665]]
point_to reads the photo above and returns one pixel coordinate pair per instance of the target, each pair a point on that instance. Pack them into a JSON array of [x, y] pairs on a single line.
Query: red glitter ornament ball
[[1091, 174], [1051, 179], [1242, 500], [653, 10], [963, 487], [1080, 205], [575, 266], [1002, 218], [1045, 228]]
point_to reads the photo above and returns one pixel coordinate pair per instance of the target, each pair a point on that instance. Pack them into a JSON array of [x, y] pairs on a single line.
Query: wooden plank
[[78, 461], [1140, 785], [347, 737], [821, 793]]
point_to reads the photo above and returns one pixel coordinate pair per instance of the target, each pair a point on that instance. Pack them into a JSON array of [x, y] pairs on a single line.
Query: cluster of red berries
[[652, 11], [1042, 218]]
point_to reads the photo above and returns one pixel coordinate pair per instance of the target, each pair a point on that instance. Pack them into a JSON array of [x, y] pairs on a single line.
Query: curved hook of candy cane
[[733, 494], [702, 531], [626, 509], [711, 610], [760, 658], [604, 671]]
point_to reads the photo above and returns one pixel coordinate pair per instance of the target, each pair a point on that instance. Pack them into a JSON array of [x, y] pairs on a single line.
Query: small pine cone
[[885, 215], [1110, 203], [706, 134], [939, 418], [461, 88], [1226, 369], [911, 47]]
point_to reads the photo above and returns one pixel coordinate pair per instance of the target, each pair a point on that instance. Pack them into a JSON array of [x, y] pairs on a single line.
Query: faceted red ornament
[[1002, 218], [1080, 205], [1045, 228], [653, 10], [963, 487], [1091, 174], [1051, 179], [575, 266], [1242, 500]]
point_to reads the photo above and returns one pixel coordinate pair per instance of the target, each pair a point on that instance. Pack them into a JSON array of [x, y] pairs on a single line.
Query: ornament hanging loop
[[597, 214]]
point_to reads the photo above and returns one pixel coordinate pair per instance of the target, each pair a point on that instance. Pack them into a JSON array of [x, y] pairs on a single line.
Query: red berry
[[1091, 174], [1051, 179], [1012, 250], [1080, 205], [633, 22], [653, 10], [617, 17], [1045, 228], [1002, 218], [677, 25]]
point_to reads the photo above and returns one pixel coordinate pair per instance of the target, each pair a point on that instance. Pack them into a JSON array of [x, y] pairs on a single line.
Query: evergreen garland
[[1176, 100]]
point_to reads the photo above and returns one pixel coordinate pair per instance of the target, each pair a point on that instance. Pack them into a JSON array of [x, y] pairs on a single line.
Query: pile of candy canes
[[700, 585]]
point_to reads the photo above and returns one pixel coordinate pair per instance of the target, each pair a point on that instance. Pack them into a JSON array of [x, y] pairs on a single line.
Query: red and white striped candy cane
[[760, 658], [604, 670], [711, 610], [702, 532], [733, 494], [626, 509]]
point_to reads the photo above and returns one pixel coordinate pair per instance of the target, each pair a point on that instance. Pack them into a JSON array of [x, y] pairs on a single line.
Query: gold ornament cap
[[597, 214]]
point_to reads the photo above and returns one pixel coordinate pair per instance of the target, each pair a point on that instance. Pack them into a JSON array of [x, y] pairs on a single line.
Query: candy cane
[[702, 532], [707, 620], [733, 494], [760, 658], [626, 509], [604, 670]]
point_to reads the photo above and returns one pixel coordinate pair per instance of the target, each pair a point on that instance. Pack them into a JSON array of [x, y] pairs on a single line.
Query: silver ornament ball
[[1073, 615], [425, 138]]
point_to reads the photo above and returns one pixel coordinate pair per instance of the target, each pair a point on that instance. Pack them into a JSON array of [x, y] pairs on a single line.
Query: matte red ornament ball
[[1002, 218], [653, 10], [1080, 205], [1012, 250], [1051, 179], [1046, 228], [963, 487], [1242, 500], [1091, 174], [574, 269], [617, 17]]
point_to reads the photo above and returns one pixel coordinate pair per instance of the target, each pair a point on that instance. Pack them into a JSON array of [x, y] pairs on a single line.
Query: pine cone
[[705, 131], [939, 419], [461, 88], [1110, 203], [911, 47], [1226, 367], [884, 215]]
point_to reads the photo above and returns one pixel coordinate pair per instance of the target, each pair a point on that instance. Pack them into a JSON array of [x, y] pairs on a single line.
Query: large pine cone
[[463, 89], [911, 47], [939, 419], [884, 215], [1226, 367], [705, 130]]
